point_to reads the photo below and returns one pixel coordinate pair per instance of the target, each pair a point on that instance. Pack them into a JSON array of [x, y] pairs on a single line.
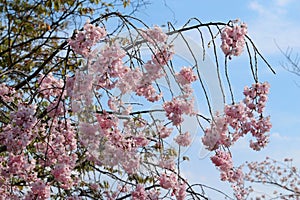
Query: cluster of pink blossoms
[[223, 161], [141, 194], [84, 40], [61, 143], [238, 120], [183, 104], [233, 39], [185, 76], [49, 86], [184, 139], [120, 148], [39, 190], [216, 134], [7, 93], [177, 107], [21, 131], [154, 35], [171, 182], [243, 118], [51, 149]]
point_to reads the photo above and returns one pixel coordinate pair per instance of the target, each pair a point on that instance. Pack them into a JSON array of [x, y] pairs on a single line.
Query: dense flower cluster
[[84, 40], [183, 104], [242, 118], [183, 139], [223, 161], [186, 76], [39, 189], [238, 120], [177, 107], [139, 193], [233, 38], [21, 131], [154, 35], [7, 93], [53, 140], [80, 131], [170, 181], [216, 135], [49, 86]]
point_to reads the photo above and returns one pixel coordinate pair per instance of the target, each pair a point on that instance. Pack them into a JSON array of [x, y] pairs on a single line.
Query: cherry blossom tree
[[99, 113]]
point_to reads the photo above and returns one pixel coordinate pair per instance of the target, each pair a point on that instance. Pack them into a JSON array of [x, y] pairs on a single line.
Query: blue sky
[[268, 21]]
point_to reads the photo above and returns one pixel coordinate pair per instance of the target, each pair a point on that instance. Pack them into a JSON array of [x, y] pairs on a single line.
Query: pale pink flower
[[168, 181], [164, 132], [40, 190], [184, 139], [177, 107], [181, 191], [62, 174], [163, 55], [84, 40], [139, 193], [185, 76], [233, 39], [167, 163], [216, 135], [154, 35]]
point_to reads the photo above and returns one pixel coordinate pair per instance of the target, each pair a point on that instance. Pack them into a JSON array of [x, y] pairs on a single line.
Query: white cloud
[[278, 136], [283, 2], [255, 6], [273, 23]]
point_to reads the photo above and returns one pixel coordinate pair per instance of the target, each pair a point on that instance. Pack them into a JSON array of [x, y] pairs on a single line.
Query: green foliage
[[33, 35]]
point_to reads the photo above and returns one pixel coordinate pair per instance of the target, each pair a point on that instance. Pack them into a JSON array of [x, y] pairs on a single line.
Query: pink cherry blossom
[[154, 35], [185, 76], [168, 181], [216, 135], [184, 139], [177, 107], [233, 38], [84, 40], [163, 55], [139, 193], [40, 190]]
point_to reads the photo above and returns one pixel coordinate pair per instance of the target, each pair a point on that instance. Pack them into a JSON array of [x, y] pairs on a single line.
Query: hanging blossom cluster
[[21, 131], [52, 89], [241, 119], [185, 76], [22, 127], [177, 107], [141, 194], [107, 144], [106, 70], [237, 121], [184, 139], [154, 35], [233, 38], [170, 181], [53, 141], [16, 136], [84, 40], [182, 104]]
